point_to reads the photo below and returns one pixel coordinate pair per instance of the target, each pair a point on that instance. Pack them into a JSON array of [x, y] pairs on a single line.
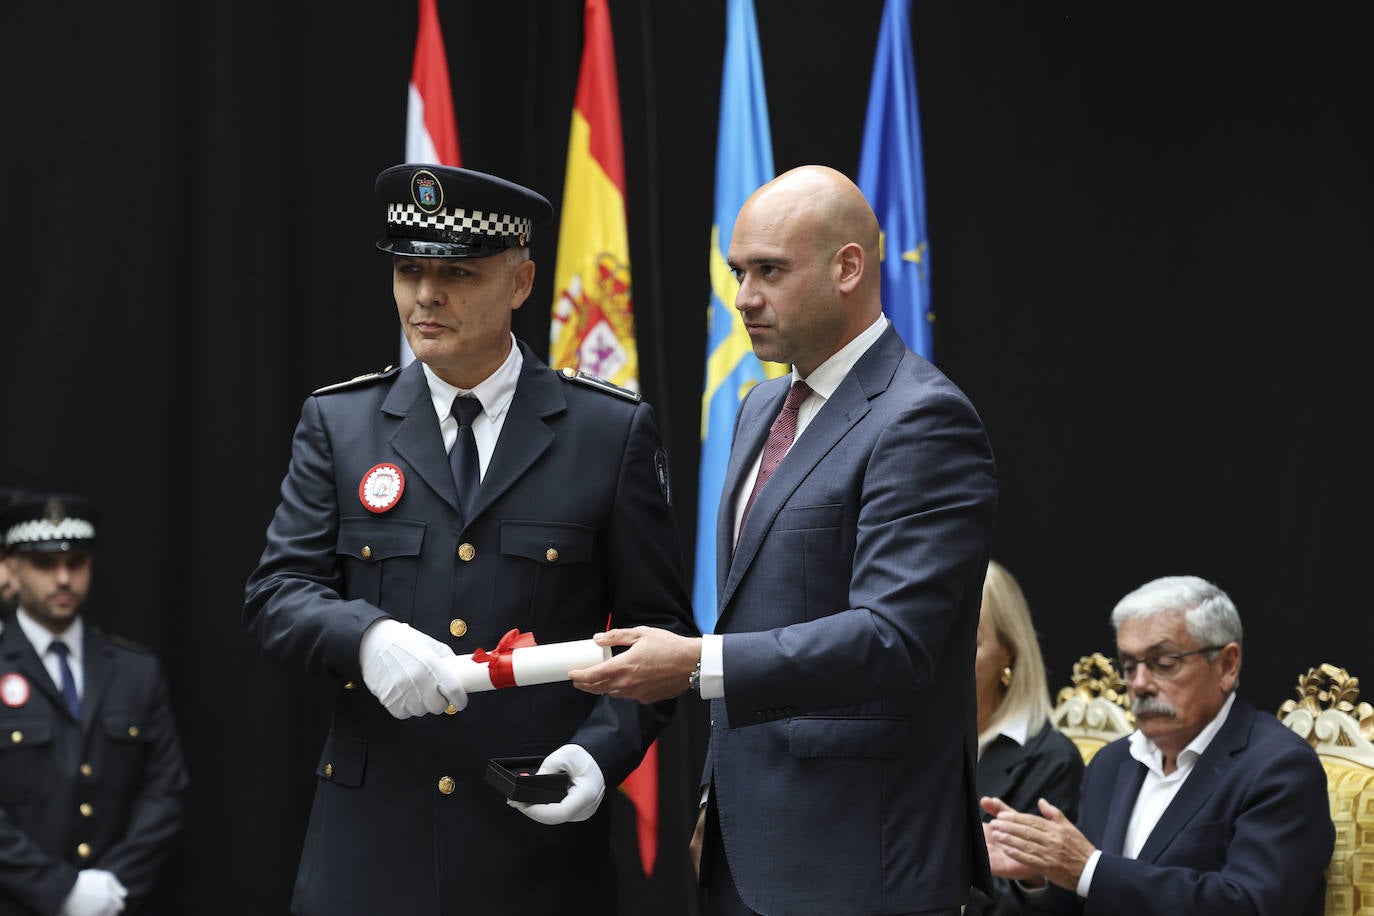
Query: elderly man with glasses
[[1208, 807]]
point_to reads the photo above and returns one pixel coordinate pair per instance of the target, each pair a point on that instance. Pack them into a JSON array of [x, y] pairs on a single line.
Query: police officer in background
[[8, 497], [427, 512], [91, 773]]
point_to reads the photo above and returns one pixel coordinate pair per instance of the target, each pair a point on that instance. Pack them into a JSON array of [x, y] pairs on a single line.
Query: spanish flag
[[593, 324]]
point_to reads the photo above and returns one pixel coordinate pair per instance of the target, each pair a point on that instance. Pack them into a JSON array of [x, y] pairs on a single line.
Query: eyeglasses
[[1164, 665]]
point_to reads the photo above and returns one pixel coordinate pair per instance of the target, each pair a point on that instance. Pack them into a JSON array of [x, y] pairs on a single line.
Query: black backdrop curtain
[[1150, 242]]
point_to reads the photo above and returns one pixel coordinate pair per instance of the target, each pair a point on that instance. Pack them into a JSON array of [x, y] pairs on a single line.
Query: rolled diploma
[[533, 664]]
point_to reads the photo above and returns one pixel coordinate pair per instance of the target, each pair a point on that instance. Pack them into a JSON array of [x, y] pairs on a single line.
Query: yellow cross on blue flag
[[891, 177], [744, 161]]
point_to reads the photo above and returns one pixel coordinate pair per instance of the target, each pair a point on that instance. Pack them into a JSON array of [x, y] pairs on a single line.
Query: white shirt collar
[[826, 377], [1015, 726], [1145, 750], [495, 391], [40, 637]]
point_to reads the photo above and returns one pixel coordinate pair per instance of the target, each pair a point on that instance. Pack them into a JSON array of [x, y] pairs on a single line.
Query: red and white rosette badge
[[14, 690], [381, 488]]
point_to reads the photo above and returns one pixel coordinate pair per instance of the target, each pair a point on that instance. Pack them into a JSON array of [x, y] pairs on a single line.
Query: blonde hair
[[1008, 616]]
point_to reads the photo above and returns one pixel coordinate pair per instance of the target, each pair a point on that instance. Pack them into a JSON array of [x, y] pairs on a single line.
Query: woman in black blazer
[[1021, 757]]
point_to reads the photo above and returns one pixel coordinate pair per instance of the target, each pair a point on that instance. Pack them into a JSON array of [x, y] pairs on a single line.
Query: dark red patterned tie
[[780, 436]]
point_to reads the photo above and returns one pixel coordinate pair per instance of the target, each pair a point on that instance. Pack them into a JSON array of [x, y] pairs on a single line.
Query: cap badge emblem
[[54, 511], [381, 488], [14, 690], [426, 191]]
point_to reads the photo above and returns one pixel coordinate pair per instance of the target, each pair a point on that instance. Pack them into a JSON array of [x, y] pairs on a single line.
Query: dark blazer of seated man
[[1208, 807]]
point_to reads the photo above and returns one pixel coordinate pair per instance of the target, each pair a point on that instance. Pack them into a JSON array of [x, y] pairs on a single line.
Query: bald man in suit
[[852, 541]]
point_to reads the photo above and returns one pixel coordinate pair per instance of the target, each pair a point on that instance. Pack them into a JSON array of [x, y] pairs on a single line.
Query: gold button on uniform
[[451, 710], [84, 850], [466, 551], [86, 809], [329, 771], [551, 554], [87, 769], [133, 731], [349, 685], [447, 785], [367, 553], [17, 736], [458, 627]]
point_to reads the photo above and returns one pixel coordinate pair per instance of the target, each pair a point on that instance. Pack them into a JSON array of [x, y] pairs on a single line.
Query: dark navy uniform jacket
[[105, 792], [572, 527]]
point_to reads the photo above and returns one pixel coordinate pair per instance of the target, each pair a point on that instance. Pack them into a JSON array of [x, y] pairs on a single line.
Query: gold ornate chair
[[1094, 711], [1341, 730]]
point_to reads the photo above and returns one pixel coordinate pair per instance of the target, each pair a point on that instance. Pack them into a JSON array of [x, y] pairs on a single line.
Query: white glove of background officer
[[586, 786], [95, 893], [405, 669]]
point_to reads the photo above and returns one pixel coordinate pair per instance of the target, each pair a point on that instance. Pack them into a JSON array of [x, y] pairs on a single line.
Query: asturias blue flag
[[744, 160], [891, 177]]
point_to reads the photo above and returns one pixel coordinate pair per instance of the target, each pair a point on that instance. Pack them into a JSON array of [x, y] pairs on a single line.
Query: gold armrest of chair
[[1095, 710], [1341, 730]]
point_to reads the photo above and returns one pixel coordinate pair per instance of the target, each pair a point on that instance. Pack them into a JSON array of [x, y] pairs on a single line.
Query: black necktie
[[462, 458], [59, 648]]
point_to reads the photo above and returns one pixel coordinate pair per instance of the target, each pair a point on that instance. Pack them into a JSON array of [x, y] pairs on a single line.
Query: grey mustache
[[1151, 706]]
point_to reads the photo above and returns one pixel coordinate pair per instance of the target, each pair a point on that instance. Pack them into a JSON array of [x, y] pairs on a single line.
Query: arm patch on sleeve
[[665, 485]]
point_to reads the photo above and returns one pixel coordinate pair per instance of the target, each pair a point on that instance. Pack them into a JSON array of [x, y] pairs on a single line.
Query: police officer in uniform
[[427, 512], [91, 773], [8, 497]]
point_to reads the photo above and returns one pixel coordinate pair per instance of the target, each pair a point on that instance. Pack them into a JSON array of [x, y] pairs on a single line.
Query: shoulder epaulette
[[128, 644], [599, 383], [358, 381]]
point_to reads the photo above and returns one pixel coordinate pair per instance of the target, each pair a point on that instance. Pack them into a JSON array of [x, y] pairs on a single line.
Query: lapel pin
[[14, 690]]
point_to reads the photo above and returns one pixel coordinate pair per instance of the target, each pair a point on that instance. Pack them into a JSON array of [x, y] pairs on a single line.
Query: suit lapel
[[1125, 790], [417, 438], [524, 434], [1000, 757], [1208, 773], [97, 664], [756, 416]]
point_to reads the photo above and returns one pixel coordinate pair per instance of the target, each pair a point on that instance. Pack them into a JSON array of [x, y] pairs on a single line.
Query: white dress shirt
[[823, 381], [495, 392], [41, 638]]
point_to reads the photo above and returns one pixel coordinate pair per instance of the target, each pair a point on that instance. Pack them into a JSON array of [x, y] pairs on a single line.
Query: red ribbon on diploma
[[498, 660]]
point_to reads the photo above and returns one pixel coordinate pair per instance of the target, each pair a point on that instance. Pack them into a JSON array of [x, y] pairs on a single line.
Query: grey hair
[[1207, 611], [517, 255]]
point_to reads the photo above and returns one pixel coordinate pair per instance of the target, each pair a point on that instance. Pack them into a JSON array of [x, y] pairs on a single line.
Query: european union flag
[[891, 177], [744, 160]]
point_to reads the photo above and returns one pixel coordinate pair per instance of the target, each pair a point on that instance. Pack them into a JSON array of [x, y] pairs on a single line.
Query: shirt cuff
[[712, 666], [1085, 880]]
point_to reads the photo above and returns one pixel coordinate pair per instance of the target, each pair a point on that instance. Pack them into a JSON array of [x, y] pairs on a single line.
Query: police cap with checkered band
[[49, 523], [437, 211]]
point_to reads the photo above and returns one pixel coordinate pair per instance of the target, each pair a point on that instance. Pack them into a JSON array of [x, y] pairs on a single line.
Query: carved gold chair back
[[1094, 711], [1341, 729]]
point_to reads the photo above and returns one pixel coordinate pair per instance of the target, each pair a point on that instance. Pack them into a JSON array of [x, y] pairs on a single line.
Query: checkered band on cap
[[458, 223], [37, 531]]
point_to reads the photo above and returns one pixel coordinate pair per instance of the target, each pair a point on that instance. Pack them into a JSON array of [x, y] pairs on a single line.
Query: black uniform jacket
[[572, 529], [105, 792], [1047, 766]]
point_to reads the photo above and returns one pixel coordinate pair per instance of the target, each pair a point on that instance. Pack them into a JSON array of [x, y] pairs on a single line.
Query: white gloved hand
[[585, 788], [404, 669], [96, 893]]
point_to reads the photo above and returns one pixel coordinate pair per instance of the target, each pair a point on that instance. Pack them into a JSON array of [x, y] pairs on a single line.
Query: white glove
[[405, 669], [585, 789], [96, 893]]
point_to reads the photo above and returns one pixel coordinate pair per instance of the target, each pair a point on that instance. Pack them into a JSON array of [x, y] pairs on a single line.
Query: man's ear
[[524, 282], [1229, 656], [849, 267]]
